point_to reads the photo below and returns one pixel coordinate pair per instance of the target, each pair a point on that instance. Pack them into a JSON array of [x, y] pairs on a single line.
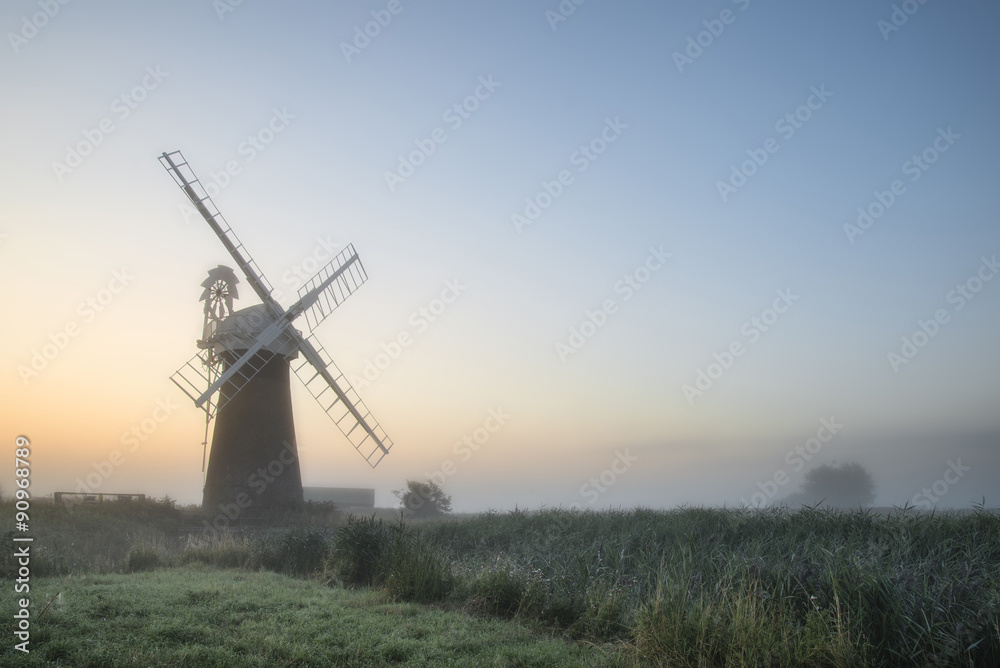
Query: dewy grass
[[809, 587], [687, 587], [89, 537], [199, 617]]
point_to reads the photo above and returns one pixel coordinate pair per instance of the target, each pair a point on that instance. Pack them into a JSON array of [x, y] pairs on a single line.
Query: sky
[[641, 253]]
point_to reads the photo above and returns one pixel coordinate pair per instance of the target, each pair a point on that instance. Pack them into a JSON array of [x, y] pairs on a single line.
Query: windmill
[[240, 376]]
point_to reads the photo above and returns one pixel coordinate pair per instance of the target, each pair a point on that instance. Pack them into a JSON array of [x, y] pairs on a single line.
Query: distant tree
[[846, 485], [423, 499]]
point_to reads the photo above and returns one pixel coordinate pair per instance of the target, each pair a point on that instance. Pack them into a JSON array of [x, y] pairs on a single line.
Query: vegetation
[[689, 587], [199, 617], [88, 537], [845, 486], [742, 587], [423, 499]]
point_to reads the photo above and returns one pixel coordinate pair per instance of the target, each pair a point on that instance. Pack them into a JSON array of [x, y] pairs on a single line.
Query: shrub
[[606, 614], [423, 499], [367, 552], [360, 551], [144, 556], [506, 590], [299, 551], [416, 572]]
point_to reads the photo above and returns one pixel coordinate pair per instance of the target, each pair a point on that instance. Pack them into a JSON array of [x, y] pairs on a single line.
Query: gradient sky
[[348, 116]]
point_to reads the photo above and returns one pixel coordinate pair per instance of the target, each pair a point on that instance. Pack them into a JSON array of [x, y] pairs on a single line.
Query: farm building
[[343, 497]]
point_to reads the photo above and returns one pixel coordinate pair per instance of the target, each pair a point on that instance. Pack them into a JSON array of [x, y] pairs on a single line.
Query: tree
[[847, 485], [423, 499]]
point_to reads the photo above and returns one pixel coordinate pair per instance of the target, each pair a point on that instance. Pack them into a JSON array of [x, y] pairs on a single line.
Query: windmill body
[[254, 459], [240, 376]]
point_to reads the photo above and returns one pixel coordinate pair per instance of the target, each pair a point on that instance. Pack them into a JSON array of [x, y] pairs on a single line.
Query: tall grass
[[688, 587], [713, 587], [132, 536], [745, 587], [368, 551], [89, 538]]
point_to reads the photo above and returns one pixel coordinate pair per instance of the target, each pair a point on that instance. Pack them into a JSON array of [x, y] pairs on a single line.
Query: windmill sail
[[339, 400], [350, 275], [317, 299], [185, 178]]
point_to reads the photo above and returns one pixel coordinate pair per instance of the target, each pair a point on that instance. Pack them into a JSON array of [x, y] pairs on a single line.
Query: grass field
[[689, 587], [729, 587], [203, 617]]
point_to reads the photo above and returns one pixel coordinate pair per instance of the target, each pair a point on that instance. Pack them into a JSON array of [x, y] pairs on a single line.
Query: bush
[[299, 551], [423, 499], [606, 614], [416, 572], [144, 556], [507, 590], [367, 552], [360, 551], [848, 485]]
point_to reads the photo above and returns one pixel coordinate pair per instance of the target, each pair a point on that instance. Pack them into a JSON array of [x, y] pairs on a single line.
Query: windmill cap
[[239, 331]]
